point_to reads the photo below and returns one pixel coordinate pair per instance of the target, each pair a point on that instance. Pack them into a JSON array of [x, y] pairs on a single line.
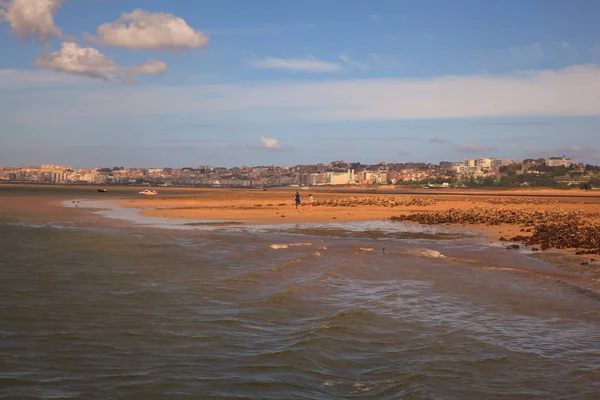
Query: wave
[[425, 252], [277, 246]]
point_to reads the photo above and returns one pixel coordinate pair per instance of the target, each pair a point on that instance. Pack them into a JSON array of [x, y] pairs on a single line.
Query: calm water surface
[[93, 311]]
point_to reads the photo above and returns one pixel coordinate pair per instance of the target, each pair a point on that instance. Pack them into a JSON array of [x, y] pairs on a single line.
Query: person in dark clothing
[[297, 200]]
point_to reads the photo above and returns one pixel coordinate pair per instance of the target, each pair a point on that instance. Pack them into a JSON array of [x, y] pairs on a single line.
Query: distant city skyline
[[551, 171], [551, 160], [159, 83]]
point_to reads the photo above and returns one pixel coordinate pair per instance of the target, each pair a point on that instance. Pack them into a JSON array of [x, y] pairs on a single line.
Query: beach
[[276, 206]]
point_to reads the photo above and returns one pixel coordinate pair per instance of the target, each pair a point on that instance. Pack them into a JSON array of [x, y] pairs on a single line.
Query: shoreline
[[220, 208], [347, 189]]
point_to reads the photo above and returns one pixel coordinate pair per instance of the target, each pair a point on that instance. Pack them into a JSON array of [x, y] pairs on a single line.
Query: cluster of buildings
[[335, 173]]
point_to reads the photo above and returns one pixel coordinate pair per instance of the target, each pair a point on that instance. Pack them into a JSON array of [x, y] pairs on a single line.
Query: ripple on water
[[136, 314]]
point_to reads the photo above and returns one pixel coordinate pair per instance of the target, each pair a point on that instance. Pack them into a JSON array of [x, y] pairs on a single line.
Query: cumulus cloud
[[143, 30], [475, 148], [77, 60], [269, 143], [310, 64], [31, 18], [437, 140], [89, 62]]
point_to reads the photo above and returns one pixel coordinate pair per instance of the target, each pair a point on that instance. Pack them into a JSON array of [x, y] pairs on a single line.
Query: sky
[[174, 83]]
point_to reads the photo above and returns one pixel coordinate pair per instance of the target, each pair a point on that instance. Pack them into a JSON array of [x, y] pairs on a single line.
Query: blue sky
[[181, 83]]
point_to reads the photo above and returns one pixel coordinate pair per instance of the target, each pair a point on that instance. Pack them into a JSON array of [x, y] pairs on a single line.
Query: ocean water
[[92, 309]]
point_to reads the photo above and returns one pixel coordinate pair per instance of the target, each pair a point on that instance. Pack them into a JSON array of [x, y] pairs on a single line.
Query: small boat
[[102, 190], [149, 192]]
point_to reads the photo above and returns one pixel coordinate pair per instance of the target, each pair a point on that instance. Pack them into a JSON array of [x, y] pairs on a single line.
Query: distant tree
[[592, 168]]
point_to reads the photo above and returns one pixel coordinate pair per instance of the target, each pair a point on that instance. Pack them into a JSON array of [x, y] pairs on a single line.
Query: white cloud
[[143, 30], [269, 143], [437, 140], [310, 64], [33, 18], [151, 67], [85, 61], [571, 91], [89, 62]]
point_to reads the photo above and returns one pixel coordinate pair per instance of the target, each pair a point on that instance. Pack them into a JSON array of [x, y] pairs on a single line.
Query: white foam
[[429, 253], [285, 246]]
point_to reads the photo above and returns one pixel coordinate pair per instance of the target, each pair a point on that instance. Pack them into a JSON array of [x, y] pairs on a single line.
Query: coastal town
[[483, 172]]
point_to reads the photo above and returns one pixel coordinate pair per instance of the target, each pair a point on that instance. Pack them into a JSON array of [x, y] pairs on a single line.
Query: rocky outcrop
[[564, 234], [491, 216], [381, 201], [557, 228]]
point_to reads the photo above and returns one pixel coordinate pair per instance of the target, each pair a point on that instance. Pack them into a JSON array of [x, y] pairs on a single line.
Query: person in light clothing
[[311, 201]]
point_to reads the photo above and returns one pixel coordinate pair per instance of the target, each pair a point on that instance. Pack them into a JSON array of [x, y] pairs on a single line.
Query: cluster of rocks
[[384, 201], [557, 228], [564, 234], [514, 200], [491, 216]]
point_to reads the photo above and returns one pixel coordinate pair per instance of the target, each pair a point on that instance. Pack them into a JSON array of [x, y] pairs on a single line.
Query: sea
[[97, 302]]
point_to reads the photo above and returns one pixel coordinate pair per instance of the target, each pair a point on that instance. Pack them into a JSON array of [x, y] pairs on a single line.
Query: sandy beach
[[337, 205], [276, 206]]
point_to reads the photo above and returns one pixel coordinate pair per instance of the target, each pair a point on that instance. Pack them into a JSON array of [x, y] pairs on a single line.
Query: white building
[[484, 163], [559, 162], [340, 178]]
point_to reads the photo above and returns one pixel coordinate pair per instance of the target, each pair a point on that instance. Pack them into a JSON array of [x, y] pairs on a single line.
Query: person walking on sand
[[297, 200], [311, 201]]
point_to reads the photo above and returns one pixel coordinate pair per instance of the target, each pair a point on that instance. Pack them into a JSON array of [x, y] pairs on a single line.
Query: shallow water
[[99, 311]]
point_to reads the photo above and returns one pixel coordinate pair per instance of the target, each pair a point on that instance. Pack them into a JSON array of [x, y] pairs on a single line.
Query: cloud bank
[[572, 91], [310, 64], [143, 30], [32, 18]]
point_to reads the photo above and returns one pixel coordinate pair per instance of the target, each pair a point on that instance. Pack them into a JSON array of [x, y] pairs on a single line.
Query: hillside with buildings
[[482, 172]]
